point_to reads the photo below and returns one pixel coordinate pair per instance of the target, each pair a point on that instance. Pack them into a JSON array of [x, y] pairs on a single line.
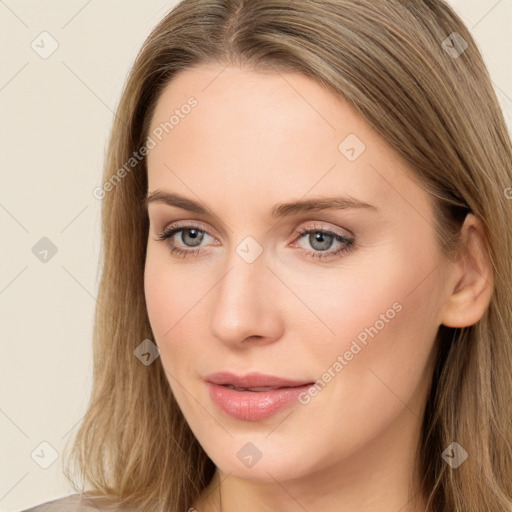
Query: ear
[[472, 280]]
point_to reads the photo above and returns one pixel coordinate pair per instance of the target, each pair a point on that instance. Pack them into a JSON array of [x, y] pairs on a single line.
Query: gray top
[[75, 503]]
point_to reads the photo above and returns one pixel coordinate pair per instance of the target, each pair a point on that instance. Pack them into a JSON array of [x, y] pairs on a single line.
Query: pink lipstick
[[254, 396]]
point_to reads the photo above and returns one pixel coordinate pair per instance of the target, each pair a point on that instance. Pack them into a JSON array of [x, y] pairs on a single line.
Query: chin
[[258, 459]]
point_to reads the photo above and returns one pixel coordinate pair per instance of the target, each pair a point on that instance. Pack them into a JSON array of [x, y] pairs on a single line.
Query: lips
[[254, 396]]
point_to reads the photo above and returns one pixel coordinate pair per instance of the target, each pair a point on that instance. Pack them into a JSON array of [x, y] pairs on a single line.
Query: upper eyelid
[[187, 225], [311, 227]]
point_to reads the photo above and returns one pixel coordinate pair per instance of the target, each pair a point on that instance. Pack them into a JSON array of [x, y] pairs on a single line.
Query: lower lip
[[254, 405]]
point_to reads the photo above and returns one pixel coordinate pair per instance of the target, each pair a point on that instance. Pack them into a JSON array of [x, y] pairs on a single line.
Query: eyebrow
[[278, 211]]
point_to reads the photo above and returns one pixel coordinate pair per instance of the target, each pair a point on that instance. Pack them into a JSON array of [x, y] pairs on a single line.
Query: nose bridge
[[246, 266], [241, 305]]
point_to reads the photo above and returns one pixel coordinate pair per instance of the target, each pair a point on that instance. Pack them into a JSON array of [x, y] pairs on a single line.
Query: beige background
[[55, 116]]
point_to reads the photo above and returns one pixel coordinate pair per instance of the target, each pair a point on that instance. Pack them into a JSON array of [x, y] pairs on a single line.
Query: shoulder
[[75, 503]]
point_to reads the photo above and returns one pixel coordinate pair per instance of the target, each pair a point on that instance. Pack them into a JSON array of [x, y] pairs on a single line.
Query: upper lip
[[253, 379]]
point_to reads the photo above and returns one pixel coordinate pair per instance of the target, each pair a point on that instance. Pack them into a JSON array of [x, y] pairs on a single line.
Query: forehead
[[252, 131], [261, 102]]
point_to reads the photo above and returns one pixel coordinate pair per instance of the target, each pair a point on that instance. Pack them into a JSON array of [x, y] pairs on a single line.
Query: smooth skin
[[256, 139]]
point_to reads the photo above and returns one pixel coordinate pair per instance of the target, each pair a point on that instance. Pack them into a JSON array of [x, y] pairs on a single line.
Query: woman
[[305, 298]]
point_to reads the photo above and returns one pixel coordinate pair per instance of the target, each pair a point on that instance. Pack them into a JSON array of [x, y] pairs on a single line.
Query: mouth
[[255, 396], [254, 381], [256, 389]]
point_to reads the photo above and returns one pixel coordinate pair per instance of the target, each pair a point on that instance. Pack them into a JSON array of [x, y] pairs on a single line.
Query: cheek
[[170, 292], [380, 292], [165, 299], [385, 336], [173, 300], [383, 320], [158, 295], [375, 364]]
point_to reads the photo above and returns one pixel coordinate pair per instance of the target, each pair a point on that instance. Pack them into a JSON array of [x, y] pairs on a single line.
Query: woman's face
[[353, 304]]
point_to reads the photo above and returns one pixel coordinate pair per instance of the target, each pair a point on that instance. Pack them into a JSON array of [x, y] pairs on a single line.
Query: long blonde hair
[[433, 103]]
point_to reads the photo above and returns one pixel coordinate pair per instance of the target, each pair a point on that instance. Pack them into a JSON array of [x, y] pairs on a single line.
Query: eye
[[320, 239], [190, 234]]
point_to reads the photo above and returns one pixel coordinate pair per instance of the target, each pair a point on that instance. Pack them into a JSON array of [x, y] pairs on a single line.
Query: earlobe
[[473, 285]]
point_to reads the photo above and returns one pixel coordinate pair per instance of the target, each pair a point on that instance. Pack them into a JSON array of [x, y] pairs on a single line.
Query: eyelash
[[167, 233]]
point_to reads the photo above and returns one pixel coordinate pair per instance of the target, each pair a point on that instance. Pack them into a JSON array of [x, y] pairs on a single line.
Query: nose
[[245, 304]]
